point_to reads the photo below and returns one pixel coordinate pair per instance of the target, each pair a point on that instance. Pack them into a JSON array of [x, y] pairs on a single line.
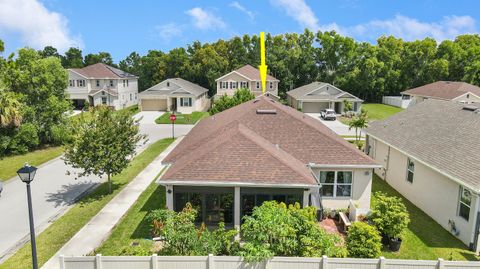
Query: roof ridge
[[276, 151]]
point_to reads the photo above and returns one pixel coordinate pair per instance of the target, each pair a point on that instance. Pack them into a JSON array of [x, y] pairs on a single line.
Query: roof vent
[[266, 111]]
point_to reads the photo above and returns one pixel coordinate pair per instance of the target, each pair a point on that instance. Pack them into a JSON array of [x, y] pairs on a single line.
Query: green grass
[[424, 239], [134, 226], [59, 232], [10, 164], [182, 118], [375, 112], [131, 110]]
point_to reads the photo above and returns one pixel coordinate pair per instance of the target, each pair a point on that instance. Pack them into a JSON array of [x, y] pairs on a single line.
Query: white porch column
[[169, 196], [169, 103], [236, 205], [306, 195]]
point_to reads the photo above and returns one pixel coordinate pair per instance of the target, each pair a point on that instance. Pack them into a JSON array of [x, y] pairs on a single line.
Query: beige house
[[316, 96], [262, 150], [430, 153], [443, 90], [175, 94], [245, 77], [100, 84]]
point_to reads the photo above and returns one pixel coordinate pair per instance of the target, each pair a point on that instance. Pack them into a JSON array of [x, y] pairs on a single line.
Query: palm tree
[[358, 122], [10, 106]]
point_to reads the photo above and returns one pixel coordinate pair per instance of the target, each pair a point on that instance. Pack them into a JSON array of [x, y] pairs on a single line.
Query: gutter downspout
[[477, 228], [387, 164]]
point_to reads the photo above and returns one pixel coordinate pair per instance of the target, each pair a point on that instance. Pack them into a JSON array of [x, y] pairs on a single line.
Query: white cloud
[[243, 9], [37, 25], [410, 28], [169, 31], [299, 11], [205, 20]]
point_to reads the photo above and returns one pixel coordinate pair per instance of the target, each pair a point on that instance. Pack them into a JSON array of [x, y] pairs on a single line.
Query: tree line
[[366, 70]]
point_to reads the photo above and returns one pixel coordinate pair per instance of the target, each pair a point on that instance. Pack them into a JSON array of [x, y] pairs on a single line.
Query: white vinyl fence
[[231, 262], [395, 101]]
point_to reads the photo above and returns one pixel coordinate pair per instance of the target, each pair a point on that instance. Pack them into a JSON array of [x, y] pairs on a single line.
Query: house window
[[271, 85], [244, 84], [80, 83], [336, 183], [71, 83], [103, 92], [464, 203], [111, 83], [98, 83], [127, 82], [184, 101], [410, 170], [104, 100], [168, 84], [136, 96], [233, 84], [258, 85], [124, 83], [131, 98]]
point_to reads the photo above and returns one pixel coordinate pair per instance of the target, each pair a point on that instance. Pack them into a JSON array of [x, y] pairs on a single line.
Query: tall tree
[[101, 57], [10, 109], [49, 51], [73, 58], [103, 144]]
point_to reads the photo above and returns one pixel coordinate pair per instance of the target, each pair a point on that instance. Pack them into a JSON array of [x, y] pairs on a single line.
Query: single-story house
[[176, 95], [262, 150], [247, 77], [443, 90], [430, 153], [316, 96]]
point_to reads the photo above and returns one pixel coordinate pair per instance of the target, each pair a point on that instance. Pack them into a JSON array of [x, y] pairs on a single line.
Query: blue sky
[[120, 27]]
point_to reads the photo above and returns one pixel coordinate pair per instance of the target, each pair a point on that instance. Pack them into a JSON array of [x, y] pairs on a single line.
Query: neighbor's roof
[[241, 146], [249, 72], [441, 134], [447, 90], [160, 89], [101, 70], [328, 92]]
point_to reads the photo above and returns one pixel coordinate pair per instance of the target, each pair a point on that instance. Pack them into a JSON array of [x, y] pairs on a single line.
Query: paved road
[[53, 191], [336, 125]]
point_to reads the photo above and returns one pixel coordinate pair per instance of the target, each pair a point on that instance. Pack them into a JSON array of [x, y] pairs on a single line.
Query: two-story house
[[245, 77], [100, 84]]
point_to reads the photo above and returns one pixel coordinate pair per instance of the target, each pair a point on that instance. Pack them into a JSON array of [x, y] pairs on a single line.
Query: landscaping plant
[[363, 241], [225, 102], [390, 216]]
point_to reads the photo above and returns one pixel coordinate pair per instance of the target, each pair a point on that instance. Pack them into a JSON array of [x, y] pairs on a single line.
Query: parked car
[[322, 112], [328, 114]]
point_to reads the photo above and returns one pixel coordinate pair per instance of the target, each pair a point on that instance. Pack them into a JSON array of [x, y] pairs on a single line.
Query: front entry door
[[174, 105]]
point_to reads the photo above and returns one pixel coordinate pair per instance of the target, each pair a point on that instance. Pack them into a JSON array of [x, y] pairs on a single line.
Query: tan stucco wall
[[431, 191], [361, 190]]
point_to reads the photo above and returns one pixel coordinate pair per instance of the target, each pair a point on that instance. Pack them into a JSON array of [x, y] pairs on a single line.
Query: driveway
[[54, 190], [335, 125]]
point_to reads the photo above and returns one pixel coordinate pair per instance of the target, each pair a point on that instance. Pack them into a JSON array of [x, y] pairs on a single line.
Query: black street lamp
[[26, 174]]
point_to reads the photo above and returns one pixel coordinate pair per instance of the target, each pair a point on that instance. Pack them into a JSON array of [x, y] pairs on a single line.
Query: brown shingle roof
[[239, 145], [252, 73], [446, 90], [438, 133], [101, 70]]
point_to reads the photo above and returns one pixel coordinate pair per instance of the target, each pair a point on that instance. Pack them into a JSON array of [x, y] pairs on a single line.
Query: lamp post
[[26, 174]]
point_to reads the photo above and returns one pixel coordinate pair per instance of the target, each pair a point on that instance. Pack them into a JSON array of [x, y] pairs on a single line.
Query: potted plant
[[391, 217]]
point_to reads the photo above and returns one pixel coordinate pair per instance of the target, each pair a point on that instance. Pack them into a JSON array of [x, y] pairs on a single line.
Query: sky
[[121, 27]]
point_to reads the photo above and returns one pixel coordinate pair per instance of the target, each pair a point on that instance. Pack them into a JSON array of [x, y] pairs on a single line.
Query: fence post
[[440, 264], [383, 263], [62, 261], [98, 261], [211, 264], [324, 262], [154, 261]]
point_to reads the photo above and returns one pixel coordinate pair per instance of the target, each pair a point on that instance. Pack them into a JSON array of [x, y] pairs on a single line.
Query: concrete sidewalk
[[99, 227]]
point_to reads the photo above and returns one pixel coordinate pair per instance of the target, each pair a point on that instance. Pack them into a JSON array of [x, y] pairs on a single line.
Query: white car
[[328, 114]]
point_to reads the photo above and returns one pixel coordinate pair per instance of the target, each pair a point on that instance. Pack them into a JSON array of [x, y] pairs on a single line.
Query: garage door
[[311, 107], [154, 104]]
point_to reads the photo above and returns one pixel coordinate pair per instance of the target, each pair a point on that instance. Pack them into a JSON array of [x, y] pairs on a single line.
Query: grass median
[[59, 232], [182, 118], [10, 164]]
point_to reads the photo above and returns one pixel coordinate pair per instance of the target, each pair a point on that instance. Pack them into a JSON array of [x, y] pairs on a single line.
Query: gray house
[[316, 96], [175, 94]]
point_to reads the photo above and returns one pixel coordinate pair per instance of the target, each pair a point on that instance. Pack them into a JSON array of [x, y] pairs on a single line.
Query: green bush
[[141, 248], [363, 241], [18, 140], [389, 215], [225, 102], [275, 230]]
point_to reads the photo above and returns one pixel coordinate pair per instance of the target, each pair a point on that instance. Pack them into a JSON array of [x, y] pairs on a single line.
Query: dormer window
[[258, 85], [111, 83], [98, 83]]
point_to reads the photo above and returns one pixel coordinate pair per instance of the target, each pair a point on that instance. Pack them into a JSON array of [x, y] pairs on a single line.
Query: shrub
[[363, 241], [225, 102], [389, 215], [141, 248], [24, 139]]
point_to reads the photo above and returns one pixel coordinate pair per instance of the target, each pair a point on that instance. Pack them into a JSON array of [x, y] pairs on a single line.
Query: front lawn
[[10, 164], [59, 232], [424, 239], [375, 112], [182, 118]]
